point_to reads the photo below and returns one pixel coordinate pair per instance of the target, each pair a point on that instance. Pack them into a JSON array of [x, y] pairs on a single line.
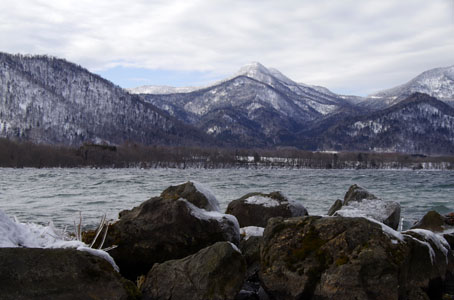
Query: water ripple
[[43, 195]]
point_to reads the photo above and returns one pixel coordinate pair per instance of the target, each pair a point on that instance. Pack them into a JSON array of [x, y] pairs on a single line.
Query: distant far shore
[[14, 154]]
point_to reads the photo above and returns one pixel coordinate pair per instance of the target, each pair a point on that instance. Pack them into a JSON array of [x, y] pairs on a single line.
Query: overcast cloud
[[349, 46]]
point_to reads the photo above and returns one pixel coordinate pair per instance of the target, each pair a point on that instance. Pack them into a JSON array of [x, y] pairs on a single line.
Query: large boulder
[[359, 202], [164, 228], [255, 209], [348, 258], [216, 272], [34, 273], [431, 261]]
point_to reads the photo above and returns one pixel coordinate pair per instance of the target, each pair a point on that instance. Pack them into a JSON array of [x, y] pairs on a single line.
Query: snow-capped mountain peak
[[257, 71], [438, 83], [253, 69]]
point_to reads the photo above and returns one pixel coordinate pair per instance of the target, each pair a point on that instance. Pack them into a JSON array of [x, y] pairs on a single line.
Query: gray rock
[[255, 209], [431, 261], [250, 249], [335, 207], [359, 202], [357, 193], [449, 237], [216, 272], [161, 229], [32, 273]]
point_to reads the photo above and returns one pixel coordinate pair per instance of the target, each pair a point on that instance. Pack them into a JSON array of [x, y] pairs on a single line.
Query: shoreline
[[238, 167], [25, 154]]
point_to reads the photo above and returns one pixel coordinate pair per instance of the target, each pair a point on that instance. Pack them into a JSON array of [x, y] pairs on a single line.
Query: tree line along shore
[[16, 154]]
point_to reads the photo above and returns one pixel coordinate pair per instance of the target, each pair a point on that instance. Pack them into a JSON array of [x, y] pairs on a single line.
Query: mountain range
[[438, 83], [50, 100]]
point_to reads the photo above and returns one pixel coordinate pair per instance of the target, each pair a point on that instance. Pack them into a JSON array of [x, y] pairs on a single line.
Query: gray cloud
[[352, 45]]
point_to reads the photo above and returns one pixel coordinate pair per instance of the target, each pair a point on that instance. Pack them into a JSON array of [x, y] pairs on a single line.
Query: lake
[[58, 195]]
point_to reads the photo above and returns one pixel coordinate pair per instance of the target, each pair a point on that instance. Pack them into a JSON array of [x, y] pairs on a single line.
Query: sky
[[353, 47]]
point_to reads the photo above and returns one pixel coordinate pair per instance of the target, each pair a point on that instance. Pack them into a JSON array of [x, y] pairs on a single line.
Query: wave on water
[[62, 192]]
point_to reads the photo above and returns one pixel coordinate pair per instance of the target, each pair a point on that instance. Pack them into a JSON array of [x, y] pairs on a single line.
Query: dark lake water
[[58, 195]]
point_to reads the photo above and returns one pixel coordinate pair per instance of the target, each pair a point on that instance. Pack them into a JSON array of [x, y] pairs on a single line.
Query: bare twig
[[110, 248], [79, 233], [104, 237], [98, 230]]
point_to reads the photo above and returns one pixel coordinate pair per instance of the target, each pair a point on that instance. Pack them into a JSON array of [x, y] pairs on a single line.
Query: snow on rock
[[429, 247], [438, 240], [100, 253], [262, 200], [206, 191], [393, 234], [226, 221], [376, 209], [14, 234], [235, 247], [249, 231]]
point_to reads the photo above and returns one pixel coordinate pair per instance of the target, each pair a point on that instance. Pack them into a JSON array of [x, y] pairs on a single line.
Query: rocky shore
[[178, 245]]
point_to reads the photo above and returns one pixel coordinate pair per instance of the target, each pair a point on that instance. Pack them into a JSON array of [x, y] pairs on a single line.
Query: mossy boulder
[[255, 209], [348, 258], [216, 272], [33, 273]]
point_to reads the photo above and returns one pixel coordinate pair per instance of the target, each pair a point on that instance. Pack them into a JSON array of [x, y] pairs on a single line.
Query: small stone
[[431, 221]]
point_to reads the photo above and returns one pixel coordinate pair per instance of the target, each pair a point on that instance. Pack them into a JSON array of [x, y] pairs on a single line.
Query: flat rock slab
[[255, 209], [34, 273]]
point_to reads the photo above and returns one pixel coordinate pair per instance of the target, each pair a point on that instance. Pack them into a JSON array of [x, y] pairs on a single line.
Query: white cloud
[[350, 45]]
